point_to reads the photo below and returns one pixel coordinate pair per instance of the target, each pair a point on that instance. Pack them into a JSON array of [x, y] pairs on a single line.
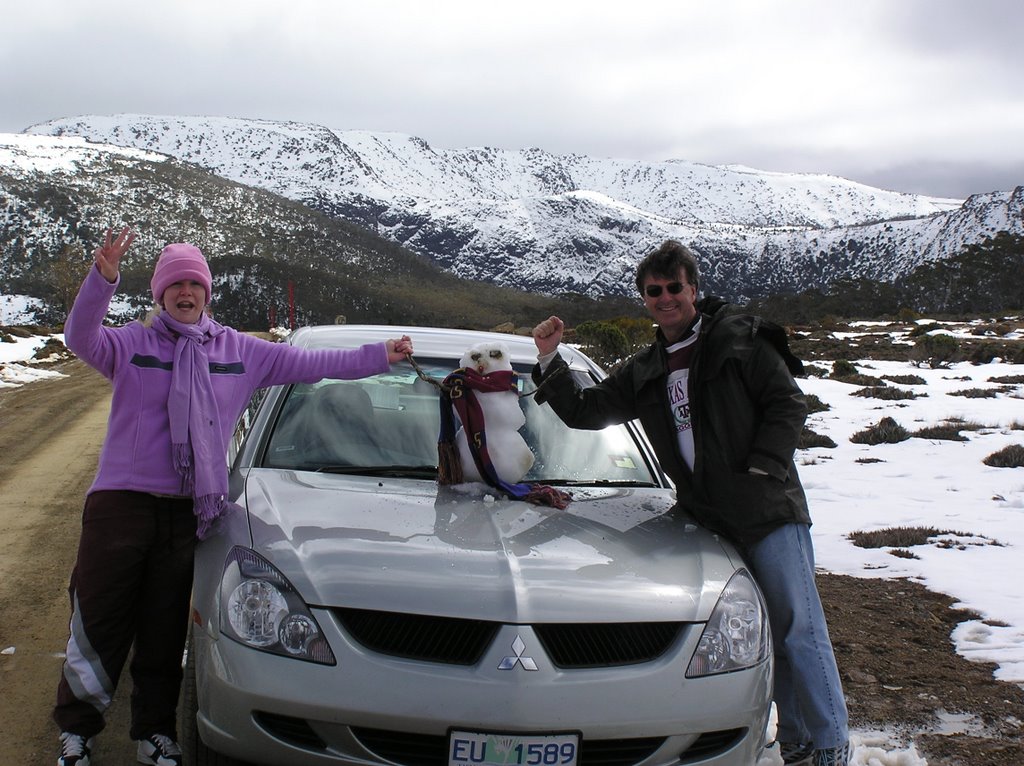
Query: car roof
[[442, 342]]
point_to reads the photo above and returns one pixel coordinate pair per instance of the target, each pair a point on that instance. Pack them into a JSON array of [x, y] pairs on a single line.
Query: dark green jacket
[[747, 412]]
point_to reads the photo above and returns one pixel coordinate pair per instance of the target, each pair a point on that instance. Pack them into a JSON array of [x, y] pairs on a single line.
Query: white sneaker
[[74, 749], [159, 750], [796, 754], [832, 756]]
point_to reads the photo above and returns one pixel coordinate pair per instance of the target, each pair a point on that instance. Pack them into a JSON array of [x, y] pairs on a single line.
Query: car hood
[[612, 555]]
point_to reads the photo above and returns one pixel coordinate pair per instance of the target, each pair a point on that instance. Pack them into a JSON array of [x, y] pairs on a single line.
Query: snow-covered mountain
[[573, 223], [269, 255], [58, 194]]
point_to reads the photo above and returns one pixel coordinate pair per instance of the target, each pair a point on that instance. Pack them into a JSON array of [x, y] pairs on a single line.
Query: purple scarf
[[196, 443]]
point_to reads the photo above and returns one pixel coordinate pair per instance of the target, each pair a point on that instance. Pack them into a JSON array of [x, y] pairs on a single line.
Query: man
[[716, 395]]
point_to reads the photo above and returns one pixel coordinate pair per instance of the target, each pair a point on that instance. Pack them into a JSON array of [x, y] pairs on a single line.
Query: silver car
[[358, 612]]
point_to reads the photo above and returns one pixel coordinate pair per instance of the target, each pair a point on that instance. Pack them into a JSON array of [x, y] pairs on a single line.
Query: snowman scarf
[[458, 395], [197, 446]]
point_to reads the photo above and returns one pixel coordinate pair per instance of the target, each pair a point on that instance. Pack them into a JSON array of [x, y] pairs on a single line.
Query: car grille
[[419, 637], [603, 645], [463, 642], [432, 750]]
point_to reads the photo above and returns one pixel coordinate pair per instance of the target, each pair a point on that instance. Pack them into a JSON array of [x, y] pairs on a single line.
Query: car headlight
[[736, 636], [261, 609]]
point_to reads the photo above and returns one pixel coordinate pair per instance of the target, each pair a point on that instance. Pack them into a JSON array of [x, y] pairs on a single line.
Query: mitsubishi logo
[[510, 662]]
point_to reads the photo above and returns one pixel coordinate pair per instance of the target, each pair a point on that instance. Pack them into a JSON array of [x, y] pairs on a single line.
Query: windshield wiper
[[398, 471]]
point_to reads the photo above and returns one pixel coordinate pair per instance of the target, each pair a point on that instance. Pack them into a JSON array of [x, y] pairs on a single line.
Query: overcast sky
[[922, 96]]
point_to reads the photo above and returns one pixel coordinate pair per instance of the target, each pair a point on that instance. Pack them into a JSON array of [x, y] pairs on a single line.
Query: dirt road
[[50, 432], [892, 638]]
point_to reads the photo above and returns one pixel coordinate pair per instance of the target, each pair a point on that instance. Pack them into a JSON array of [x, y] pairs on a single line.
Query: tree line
[[984, 278]]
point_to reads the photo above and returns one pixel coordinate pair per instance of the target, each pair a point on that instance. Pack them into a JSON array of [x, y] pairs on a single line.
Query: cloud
[[855, 87], [945, 179]]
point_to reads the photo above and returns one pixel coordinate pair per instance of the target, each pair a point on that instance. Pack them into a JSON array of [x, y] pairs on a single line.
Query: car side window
[[245, 421]]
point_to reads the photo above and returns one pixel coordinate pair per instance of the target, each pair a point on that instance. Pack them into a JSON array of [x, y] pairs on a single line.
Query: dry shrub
[[898, 537], [809, 438], [861, 380], [843, 368], [1011, 456], [966, 425], [975, 393], [901, 538], [814, 404], [1009, 379], [50, 347], [885, 431], [903, 553], [905, 380], [886, 392], [946, 432]]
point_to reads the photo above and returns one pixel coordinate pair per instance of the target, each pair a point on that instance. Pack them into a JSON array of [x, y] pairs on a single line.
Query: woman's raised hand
[[399, 348], [108, 255]]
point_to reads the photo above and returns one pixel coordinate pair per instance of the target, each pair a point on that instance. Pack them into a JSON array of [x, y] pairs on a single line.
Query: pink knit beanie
[[177, 263]]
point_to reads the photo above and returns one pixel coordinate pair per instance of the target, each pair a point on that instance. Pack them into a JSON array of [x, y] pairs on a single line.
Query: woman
[[179, 384]]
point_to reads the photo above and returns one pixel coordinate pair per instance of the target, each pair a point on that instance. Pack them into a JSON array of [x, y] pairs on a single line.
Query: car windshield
[[388, 424]]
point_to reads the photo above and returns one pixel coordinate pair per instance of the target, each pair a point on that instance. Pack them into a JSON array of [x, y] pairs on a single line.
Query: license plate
[[476, 748]]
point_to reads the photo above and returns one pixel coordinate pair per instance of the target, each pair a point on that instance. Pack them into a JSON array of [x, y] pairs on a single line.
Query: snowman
[[502, 416]]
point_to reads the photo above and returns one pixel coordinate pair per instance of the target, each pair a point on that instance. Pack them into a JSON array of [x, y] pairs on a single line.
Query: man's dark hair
[[665, 263]]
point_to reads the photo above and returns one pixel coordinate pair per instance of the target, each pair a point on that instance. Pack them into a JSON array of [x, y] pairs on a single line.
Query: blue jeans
[[808, 692]]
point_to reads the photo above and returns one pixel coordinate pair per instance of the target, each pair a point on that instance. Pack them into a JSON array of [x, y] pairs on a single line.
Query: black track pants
[[131, 584]]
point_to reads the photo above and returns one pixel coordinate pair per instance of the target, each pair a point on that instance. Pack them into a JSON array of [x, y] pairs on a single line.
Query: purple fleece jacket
[[136, 453]]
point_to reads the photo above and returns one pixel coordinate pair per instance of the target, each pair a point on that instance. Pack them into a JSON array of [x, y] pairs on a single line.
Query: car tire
[[194, 750]]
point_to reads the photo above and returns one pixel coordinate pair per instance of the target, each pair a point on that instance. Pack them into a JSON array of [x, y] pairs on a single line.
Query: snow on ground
[[18, 309], [977, 509], [929, 483], [17, 365]]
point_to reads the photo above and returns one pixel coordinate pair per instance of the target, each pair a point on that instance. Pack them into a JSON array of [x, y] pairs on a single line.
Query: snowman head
[[486, 358]]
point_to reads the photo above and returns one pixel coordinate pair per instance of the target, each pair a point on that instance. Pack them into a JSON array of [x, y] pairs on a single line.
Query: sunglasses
[[653, 291]]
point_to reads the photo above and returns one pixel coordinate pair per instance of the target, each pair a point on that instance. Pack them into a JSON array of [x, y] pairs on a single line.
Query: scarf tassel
[[208, 510], [449, 466], [542, 494], [182, 456]]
